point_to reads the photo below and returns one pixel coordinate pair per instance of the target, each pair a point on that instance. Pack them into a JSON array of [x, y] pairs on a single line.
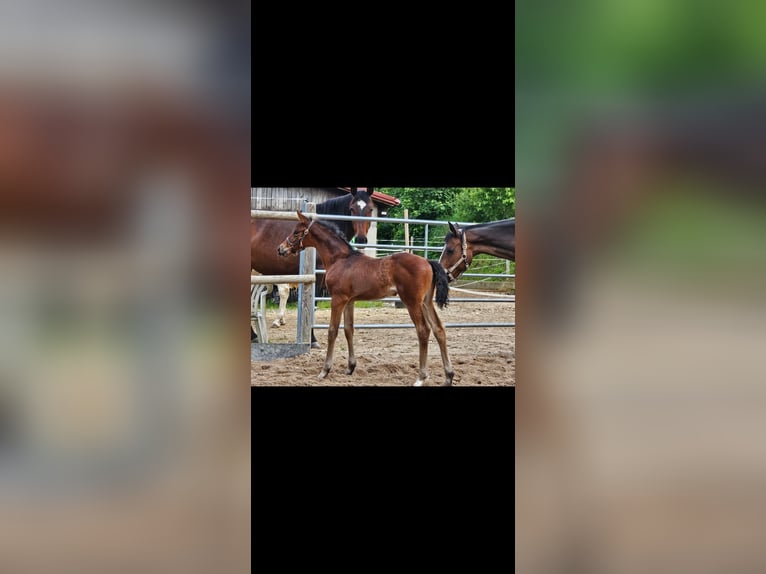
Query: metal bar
[[394, 247], [263, 333], [266, 214], [266, 279], [306, 292], [397, 247], [411, 325], [498, 275], [451, 300]]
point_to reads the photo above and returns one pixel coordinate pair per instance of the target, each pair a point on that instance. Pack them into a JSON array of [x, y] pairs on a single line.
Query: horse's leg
[[337, 307], [314, 342], [284, 295], [441, 337], [348, 329], [416, 314]]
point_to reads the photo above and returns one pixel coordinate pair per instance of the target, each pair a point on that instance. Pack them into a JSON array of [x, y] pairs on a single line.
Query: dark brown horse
[[352, 276], [267, 234], [496, 238]]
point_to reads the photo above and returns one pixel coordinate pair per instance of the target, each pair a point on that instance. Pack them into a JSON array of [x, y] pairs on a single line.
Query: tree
[[421, 203], [466, 204], [483, 204]]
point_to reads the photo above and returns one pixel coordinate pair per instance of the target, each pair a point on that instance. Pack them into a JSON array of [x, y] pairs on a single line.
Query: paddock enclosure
[[480, 322], [388, 357]]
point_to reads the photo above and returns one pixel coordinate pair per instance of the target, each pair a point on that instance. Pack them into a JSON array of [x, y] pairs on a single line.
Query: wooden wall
[[284, 198]]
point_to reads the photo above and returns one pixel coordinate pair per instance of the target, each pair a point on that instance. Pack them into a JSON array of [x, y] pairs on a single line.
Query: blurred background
[[124, 169], [640, 170]]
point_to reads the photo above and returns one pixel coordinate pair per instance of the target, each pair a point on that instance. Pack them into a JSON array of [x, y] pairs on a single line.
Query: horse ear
[[453, 228], [353, 191], [301, 217]]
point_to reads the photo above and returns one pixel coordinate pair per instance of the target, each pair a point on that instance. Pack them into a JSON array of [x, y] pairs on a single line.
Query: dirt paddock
[[389, 357]]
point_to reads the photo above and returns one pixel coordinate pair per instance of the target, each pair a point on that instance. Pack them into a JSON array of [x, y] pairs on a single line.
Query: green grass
[[357, 305], [326, 305], [275, 306]]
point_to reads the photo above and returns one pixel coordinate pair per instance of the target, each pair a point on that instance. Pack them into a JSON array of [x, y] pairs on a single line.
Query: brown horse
[[266, 235], [496, 238], [352, 276]]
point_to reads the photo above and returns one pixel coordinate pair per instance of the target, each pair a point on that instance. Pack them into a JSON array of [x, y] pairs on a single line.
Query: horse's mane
[[338, 232], [336, 205], [487, 225], [511, 221]]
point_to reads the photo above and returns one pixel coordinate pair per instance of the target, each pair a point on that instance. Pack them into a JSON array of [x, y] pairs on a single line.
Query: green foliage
[[421, 203], [470, 204], [483, 204], [483, 263]]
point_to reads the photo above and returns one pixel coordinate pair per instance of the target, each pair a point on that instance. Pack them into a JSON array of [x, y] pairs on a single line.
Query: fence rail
[[306, 278], [411, 326], [511, 299], [270, 279], [289, 215]]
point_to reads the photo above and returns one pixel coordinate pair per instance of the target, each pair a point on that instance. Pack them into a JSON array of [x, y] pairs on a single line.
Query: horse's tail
[[440, 283]]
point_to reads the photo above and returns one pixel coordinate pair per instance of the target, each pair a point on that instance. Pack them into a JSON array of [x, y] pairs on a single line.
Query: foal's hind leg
[[441, 337], [348, 330], [423, 330]]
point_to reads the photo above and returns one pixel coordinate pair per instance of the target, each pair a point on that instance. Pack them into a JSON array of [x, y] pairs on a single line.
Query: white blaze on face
[[361, 204]]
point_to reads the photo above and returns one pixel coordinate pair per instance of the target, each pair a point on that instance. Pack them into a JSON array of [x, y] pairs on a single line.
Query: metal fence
[[386, 248]]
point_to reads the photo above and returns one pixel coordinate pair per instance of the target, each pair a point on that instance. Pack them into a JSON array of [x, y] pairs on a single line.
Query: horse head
[[361, 205], [455, 252], [293, 243]]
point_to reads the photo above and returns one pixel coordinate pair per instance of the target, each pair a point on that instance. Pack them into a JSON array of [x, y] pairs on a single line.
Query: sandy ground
[[389, 357]]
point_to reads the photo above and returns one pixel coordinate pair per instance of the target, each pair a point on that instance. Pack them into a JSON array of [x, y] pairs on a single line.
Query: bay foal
[[353, 276]]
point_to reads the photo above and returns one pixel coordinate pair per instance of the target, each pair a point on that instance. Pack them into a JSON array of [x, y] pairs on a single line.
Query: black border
[[397, 100], [378, 469]]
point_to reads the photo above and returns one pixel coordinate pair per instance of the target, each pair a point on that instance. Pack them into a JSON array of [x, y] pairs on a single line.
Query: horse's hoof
[[350, 370], [322, 375], [418, 383], [276, 324], [315, 345]]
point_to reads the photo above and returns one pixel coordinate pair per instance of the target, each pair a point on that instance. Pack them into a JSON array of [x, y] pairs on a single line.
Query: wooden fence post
[[407, 230]]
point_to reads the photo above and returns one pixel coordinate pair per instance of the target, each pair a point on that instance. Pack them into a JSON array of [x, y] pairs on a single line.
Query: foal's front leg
[[337, 307], [348, 329]]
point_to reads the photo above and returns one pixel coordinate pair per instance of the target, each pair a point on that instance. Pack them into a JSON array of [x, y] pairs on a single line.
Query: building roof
[[378, 197]]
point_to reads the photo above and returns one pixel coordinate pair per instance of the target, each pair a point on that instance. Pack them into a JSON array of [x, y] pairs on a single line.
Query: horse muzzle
[[283, 250]]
